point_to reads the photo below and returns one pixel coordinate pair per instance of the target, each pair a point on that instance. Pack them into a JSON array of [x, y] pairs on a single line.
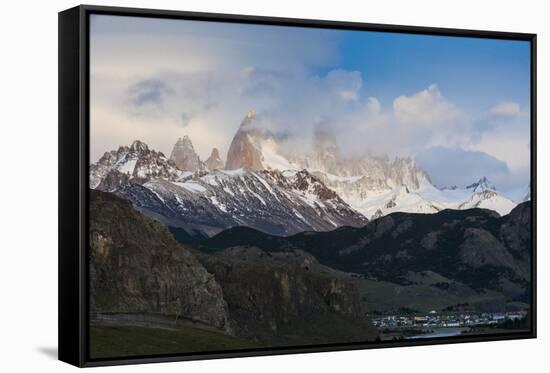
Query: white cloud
[[373, 105], [511, 146], [426, 108], [345, 84], [504, 133], [505, 109]]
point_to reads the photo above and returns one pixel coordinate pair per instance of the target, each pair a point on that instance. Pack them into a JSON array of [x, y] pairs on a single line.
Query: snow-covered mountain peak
[[136, 161], [481, 185], [139, 146], [488, 199]]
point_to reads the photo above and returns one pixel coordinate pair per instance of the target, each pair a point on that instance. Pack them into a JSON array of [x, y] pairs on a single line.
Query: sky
[[459, 106]]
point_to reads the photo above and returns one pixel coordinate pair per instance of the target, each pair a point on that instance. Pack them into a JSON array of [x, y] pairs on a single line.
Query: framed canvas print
[[240, 186]]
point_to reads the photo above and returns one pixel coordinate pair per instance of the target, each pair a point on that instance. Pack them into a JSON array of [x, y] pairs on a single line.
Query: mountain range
[[264, 186], [469, 256]]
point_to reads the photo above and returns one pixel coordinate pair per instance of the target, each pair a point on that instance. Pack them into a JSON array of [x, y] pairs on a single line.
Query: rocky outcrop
[[114, 180], [184, 157], [266, 295], [137, 267], [480, 248], [214, 162], [515, 233]]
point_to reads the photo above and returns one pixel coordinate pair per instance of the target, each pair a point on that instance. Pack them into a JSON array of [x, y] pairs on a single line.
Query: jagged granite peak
[[244, 151], [372, 172], [214, 162], [134, 162], [184, 156], [481, 185]]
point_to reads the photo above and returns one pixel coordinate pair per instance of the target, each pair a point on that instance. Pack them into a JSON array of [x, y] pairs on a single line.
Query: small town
[[447, 320]]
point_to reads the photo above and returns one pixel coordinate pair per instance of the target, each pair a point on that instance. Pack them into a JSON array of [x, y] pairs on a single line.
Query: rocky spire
[[244, 151], [214, 161], [184, 156]]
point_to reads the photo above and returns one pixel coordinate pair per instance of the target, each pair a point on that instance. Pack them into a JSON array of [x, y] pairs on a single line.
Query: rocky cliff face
[[267, 295], [184, 157], [137, 267], [515, 233], [214, 162]]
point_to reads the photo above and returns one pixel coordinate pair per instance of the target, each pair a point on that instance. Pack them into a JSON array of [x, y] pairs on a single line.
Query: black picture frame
[[74, 193]]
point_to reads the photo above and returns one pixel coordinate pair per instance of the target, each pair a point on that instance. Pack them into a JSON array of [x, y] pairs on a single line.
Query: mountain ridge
[[269, 200], [256, 166], [476, 248]]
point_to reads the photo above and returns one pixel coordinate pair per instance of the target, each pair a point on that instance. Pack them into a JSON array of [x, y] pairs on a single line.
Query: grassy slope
[[109, 341], [326, 329], [386, 296], [126, 341]]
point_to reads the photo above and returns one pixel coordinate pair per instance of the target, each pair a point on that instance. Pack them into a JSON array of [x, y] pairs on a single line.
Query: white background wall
[[28, 184]]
